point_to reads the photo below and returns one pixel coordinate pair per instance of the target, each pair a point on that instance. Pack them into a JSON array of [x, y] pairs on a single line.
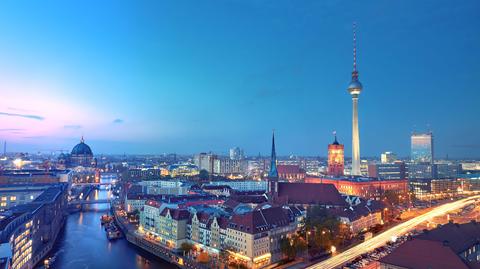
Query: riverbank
[[153, 248], [82, 244]]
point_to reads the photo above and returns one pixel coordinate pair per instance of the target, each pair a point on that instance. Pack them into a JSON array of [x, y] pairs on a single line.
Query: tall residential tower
[[355, 88]]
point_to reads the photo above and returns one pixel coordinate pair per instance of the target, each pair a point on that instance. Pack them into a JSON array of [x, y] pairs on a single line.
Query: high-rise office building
[[236, 153], [388, 157], [205, 161], [422, 148], [336, 162], [355, 88]]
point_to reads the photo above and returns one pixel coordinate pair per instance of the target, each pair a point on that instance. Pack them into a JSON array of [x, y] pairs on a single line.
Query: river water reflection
[[82, 244]]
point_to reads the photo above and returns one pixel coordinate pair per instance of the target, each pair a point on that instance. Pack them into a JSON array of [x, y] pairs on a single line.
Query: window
[[13, 198]]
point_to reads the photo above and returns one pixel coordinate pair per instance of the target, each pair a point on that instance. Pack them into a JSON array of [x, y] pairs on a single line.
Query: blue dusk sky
[[189, 76]]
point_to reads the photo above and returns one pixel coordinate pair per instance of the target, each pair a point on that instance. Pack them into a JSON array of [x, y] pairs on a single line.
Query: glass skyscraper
[[422, 148]]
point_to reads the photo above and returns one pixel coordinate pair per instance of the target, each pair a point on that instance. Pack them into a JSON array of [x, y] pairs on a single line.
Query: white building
[[229, 167], [243, 185]]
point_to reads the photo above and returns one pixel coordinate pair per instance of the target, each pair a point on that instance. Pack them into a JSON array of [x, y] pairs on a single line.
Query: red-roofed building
[[422, 254], [254, 237], [370, 188], [448, 246], [291, 172], [362, 216], [208, 231], [310, 194]]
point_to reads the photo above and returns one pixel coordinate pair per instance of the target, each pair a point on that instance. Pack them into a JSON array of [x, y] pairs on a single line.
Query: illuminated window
[[4, 198], [13, 198], [3, 204]]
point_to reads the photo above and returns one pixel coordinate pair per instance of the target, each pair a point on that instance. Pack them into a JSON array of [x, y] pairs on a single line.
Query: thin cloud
[[26, 116], [35, 137], [72, 127], [11, 130], [117, 121], [21, 109]]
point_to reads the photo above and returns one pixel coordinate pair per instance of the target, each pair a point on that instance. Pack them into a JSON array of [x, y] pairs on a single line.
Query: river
[[82, 244]]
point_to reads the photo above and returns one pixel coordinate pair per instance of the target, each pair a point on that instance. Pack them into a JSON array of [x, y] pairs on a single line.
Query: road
[[383, 238]]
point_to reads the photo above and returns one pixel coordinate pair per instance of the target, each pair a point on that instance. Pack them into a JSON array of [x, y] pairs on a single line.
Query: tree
[[292, 246], [203, 257], [186, 247], [328, 230], [224, 257], [203, 174], [391, 197], [286, 246]]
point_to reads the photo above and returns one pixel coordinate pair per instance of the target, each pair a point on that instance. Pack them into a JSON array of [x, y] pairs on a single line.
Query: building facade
[[369, 188], [205, 161], [396, 170], [291, 172], [422, 148], [388, 157]]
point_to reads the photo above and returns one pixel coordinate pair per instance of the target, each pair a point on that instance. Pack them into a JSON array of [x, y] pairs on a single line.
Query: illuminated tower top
[[355, 87]]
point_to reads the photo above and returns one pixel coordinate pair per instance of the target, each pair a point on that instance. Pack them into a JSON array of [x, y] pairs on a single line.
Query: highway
[[382, 238]]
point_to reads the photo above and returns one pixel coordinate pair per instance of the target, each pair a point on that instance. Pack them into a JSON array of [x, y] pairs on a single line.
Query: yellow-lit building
[[168, 226], [254, 238]]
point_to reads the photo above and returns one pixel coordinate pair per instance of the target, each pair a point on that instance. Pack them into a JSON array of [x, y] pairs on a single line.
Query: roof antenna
[[355, 48]]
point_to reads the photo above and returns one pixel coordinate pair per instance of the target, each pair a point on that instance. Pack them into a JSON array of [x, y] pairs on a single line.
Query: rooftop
[[176, 214], [310, 193], [289, 169], [459, 237], [260, 220], [422, 254], [49, 195]]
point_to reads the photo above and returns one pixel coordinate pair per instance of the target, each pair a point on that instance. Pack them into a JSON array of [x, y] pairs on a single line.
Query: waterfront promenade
[[137, 239]]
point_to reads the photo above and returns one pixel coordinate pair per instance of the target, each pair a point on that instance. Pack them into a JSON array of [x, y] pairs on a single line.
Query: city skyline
[[133, 84]]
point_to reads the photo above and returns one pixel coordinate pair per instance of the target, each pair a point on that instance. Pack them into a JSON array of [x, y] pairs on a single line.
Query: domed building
[[81, 155]]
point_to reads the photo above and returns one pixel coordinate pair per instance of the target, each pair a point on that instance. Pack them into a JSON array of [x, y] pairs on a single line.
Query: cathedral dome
[[82, 149]]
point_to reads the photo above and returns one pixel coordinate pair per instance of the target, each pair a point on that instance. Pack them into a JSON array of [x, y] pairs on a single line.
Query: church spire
[[273, 160], [82, 140]]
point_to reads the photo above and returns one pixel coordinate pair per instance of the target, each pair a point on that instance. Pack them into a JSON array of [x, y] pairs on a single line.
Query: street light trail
[[383, 238]]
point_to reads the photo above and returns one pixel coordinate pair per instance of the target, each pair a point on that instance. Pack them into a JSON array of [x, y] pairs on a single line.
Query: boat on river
[[105, 219]]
